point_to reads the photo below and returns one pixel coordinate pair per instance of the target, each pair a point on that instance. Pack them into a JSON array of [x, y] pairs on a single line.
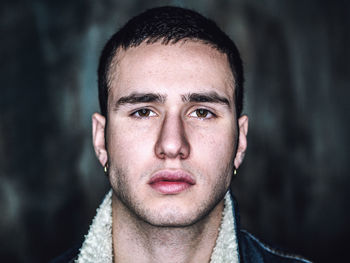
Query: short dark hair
[[169, 25]]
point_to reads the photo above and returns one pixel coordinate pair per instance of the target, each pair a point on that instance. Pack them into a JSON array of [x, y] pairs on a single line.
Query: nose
[[172, 142]]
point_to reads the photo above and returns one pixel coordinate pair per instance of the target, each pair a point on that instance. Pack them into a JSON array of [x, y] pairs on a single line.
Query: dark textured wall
[[293, 186]]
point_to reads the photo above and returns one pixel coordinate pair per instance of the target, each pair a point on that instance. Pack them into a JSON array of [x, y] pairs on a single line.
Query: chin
[[174, 215], [171, 220], [174, 211]]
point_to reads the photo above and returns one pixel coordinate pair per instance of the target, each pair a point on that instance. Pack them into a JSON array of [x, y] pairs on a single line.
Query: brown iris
[[144, 112], [202, 113]]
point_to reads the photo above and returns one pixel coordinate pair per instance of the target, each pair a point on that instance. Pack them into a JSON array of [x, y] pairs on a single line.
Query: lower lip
[[170, 187]]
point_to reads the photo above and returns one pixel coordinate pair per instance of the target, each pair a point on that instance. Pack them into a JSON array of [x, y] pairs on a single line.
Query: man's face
[[171, 131]]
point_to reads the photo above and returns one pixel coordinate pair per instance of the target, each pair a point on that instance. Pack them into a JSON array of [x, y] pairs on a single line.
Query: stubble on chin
[[171, 216]]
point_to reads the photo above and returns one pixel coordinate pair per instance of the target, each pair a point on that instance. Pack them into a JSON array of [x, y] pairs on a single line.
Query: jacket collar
[[97, 246]]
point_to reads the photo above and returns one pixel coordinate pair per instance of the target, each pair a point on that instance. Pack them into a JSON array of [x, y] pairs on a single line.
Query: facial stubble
[[174, 217]]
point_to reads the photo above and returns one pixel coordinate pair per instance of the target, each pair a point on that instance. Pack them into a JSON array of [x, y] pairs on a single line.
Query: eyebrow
[[135, 98], [212, 97]]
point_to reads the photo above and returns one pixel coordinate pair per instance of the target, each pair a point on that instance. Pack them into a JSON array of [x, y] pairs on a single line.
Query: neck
[[135, 240]]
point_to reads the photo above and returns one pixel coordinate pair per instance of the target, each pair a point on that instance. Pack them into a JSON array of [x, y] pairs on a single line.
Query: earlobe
[[242, 140], [98, 137]]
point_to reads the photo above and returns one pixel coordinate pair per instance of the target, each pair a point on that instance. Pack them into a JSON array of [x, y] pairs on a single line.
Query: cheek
[[129, 145], [213, 148]]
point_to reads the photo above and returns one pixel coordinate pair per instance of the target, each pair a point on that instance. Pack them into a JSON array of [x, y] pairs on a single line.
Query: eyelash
[[136, 113], [206, 111]]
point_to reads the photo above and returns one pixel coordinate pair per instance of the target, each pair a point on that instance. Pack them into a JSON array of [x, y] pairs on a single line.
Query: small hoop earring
[[105, 168], [234, 171]]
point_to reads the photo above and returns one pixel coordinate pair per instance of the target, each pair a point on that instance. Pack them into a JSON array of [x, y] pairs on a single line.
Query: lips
[[171, 182]]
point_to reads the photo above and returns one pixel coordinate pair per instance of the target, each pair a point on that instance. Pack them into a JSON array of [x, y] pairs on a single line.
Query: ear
[[242, 140], [98, 137]]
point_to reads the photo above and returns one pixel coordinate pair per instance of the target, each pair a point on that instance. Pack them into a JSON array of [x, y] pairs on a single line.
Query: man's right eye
[[143, 113]]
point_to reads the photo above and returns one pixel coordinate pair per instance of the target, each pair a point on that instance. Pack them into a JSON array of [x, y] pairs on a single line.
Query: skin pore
[[171, 114]]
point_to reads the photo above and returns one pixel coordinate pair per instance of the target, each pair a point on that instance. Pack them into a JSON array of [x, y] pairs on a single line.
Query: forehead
[[186, 66]]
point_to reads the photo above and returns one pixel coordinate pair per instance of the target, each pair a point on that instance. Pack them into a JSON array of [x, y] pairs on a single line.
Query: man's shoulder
[[254, 250], [67, 257]]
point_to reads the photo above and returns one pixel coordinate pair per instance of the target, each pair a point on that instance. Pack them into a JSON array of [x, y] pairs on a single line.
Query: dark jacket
[[251, 250]]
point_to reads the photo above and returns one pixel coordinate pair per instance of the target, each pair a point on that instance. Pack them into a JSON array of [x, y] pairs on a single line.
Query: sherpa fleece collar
[[97, 247]]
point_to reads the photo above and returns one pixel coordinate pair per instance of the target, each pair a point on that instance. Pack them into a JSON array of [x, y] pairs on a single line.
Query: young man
[[170, 136]]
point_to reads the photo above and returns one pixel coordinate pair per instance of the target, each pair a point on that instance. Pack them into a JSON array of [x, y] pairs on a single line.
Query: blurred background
[[293, 188]]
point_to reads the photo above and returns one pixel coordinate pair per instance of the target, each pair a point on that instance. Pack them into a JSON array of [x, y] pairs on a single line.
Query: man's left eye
[[202, 114]]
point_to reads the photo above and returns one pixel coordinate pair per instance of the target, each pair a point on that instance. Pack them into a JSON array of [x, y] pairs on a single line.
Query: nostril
[[172, 141]]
